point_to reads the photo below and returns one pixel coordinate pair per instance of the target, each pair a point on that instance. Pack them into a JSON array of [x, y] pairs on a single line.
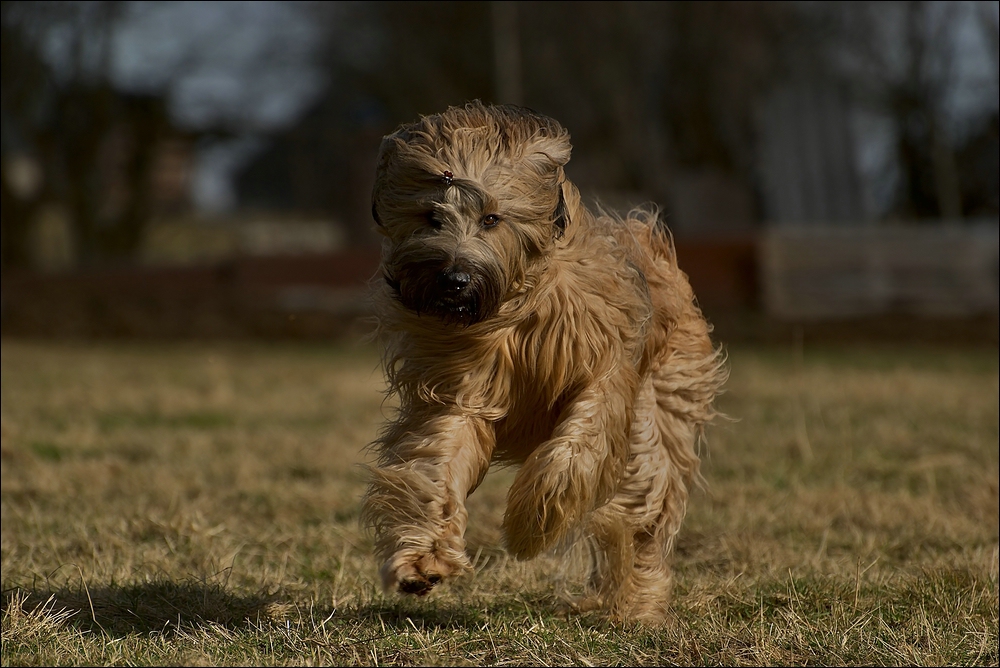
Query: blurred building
[[171, 158], [807, 162]]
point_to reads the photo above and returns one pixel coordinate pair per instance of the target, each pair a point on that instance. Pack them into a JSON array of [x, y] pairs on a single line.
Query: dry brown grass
[[198, 504]]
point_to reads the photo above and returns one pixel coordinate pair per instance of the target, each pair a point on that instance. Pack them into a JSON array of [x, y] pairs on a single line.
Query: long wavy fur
[[572, 346]]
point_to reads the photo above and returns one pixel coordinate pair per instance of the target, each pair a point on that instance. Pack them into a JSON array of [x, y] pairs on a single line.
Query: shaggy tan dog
[[519, 327]]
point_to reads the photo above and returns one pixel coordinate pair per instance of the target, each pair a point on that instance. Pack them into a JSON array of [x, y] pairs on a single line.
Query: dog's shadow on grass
[[407, 614], [167, 607], [154, 607]]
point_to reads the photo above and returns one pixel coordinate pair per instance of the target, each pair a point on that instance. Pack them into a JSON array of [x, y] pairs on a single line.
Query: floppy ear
[[559, 218], [569, 204], [381, 163], [546, 151]]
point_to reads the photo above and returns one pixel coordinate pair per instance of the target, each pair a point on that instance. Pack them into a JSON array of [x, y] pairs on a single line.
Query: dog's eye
[[432, 220], [490, 220]]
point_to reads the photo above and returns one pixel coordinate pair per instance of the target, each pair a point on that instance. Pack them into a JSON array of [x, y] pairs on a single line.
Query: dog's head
[[470, 201]]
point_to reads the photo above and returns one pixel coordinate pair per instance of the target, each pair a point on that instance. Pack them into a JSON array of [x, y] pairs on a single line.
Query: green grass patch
[[194, 420]]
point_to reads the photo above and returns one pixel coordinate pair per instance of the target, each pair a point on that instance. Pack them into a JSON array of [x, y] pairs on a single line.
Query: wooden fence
[[812, 272]]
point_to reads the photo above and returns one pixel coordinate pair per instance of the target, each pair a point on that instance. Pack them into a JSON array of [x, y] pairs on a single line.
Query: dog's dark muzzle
[[457, 293], [455, 298]]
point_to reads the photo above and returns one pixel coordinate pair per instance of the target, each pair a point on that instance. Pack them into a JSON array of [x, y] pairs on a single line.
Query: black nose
[[454, 280]]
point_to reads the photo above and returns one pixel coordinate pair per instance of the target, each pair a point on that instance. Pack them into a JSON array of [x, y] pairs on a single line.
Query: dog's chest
[[529, 422], [523, 430]]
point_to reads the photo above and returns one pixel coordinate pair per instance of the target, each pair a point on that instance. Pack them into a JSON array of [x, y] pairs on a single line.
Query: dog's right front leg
[[416, 500]]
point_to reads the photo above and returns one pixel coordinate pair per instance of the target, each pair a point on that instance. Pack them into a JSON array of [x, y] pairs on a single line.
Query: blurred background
[[203, 169]]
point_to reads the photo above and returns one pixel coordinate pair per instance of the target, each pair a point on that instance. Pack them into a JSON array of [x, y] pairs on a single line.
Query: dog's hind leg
[[416, 500], [675, 402], [633, 533]]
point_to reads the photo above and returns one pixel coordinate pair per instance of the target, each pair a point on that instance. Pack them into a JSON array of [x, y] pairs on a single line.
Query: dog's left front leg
[[416, 501], [576, 470]]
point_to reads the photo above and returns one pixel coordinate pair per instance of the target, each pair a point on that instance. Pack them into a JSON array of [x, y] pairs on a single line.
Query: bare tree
[[644, 87], [23, 80], [988, 18], [428, 54], [899, 59], [507, 52], [98, 137], [95, 144]]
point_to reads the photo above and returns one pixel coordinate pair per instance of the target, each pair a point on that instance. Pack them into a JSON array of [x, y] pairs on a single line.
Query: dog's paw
[[580, 604], [418, 583], [418, 573]]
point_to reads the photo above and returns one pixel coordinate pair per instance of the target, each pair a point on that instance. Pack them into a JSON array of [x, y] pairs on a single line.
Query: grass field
[[197, 504]]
